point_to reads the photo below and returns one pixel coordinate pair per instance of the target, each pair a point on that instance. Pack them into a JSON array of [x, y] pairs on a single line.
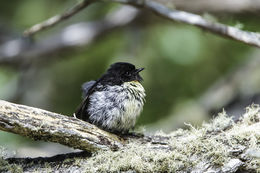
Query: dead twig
[[58, 18], [250, 38]]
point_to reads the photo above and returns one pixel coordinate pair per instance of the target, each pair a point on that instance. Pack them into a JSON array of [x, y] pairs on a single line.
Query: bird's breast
[[134, 103], [117, 107]]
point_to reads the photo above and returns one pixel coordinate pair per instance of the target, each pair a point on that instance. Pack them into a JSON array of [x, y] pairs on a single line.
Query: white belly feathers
[[116, 108]]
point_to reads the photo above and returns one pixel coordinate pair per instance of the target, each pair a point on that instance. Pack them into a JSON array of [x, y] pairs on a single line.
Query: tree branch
[[18, 51], [246, 37], [219, 7], [58, 18], [219, 146], [39, 124]]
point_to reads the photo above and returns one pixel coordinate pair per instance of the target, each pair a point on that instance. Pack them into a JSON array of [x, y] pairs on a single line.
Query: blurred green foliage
[[180, 61]]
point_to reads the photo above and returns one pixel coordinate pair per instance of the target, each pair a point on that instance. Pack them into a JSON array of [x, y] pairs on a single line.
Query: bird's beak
[[139, 70], [138, 77]]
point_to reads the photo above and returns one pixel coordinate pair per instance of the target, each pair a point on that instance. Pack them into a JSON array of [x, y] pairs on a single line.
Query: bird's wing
[[86, 86], [87, 89]]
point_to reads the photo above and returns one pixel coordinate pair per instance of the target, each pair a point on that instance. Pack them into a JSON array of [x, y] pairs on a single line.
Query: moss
[[214, 145], [6, 167], [130, 158], [252, 115], [219, 123]]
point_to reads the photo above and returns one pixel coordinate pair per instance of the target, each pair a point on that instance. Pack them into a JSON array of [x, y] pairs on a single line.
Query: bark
[[39, 124], [166, 11], [250, 38], [219, 146], [220, 6]]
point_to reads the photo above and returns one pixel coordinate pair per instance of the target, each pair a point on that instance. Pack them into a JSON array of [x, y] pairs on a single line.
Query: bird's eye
[[127, 74]]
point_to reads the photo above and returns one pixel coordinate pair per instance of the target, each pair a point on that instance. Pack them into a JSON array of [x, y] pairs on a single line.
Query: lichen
[[213, 143], [5, 166], [252, 115], [215, 146], [130, 158], [219, 123]]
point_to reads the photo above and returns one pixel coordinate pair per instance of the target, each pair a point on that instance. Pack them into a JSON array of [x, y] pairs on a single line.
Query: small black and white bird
[[114, 101]]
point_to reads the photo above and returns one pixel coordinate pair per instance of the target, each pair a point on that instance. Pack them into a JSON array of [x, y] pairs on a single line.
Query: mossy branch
[[39, 124], [219, 146]]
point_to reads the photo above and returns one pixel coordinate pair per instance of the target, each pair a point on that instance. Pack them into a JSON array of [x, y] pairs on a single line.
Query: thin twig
[[247, 37], [250, 38], [17, 51], [218, 7], [58, 18]]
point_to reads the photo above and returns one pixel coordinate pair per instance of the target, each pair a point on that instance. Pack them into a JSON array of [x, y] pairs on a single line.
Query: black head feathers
[[122, 72]]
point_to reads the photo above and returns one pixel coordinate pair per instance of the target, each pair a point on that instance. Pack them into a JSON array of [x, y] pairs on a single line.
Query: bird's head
[[124, 72]]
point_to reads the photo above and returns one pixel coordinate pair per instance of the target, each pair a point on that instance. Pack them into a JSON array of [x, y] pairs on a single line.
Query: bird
[[115, 100]]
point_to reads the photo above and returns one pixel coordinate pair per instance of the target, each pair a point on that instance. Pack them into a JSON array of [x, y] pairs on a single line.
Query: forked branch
[[219, 146], [250, 38]]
